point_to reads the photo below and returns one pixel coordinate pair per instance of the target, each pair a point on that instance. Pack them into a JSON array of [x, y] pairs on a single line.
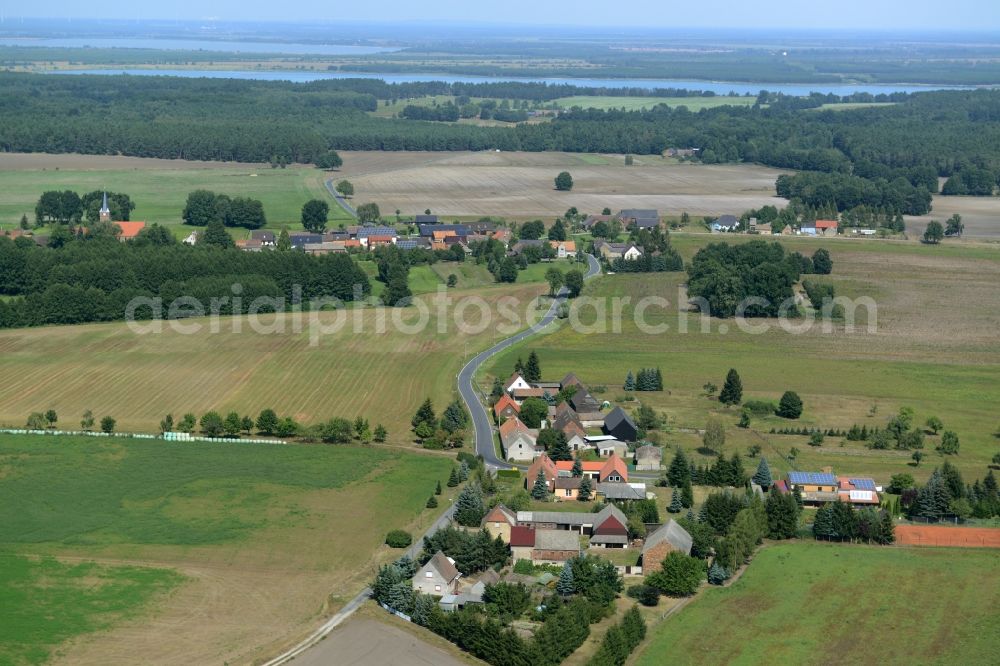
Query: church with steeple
[[105, 212]]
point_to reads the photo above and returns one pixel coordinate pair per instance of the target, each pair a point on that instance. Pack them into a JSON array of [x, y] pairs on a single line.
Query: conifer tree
[[453, 479], [469, 507], [463, 471], [679, 470], [497, 391], [687, 494], [823, 523], [565, 585], [425, 414], [577, 471], [454, 417], [540, 490], [432, 502], [437, 490], [586, 489], [762, 477], [675, 502], [659, 380], [629, 381], [519, 366], [560, 448], [533, 370], [732, 390], [717, 574]]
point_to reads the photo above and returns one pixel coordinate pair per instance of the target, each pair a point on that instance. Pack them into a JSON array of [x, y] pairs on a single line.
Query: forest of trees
[[93, 279]]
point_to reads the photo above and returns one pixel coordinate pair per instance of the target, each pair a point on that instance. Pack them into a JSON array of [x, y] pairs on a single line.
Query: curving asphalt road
[[339, 199], [466, 377]]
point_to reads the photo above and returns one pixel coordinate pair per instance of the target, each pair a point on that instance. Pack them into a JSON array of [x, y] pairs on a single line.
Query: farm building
[[648, 457], [638, 218], [620, 425], [660, 543]]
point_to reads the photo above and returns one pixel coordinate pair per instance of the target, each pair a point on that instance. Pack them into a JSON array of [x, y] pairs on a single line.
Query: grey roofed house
[[265, 237], [557, 540], [573, 518], [521, 245], [425, 219], [411, 243], [622, 491], [439, 576], [300, 240], [365, 232], [621, 425], [455, 229], [672, 533], [582, 402], [643, 218], [568, 482], [594, 219]]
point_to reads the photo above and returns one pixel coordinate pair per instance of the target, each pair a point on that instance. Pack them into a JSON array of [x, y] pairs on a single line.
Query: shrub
[[398, 539], [647, 595], [760, 407]]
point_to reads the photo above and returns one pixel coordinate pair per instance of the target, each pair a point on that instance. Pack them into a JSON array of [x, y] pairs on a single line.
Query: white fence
[[170, 436]]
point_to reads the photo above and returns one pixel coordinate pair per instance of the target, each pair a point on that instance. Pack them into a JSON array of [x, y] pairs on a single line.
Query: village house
[[506, 408], [612, 470], [638, 218], [648, 458], [548, 468], [438, 577], [661, 542], [612, 251], [858, 491], [611, 532], [620, 425], [587, 408], [567, 488], [516, 381], [826, 227], [519, 441], [621, 491], [591, 220], [815, 487], [424, 218], [522, 542], [129, 230], [564, 249], [522, 394], [299, 240], [612, 447], [498, 522], [576, 437], [266, 238], [442, 231], [725, 223]]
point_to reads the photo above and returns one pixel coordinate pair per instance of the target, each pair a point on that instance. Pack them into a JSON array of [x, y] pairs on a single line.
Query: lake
[[196, 45], [720, 88]]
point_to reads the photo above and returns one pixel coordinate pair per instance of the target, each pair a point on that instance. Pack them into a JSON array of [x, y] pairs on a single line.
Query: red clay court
[[936, 535]]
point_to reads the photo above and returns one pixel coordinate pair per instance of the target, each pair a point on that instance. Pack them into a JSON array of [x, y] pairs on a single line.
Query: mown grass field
[[811, 603], [369, 366], [159, 188], [934, 350], [639, 103], [252, 541]]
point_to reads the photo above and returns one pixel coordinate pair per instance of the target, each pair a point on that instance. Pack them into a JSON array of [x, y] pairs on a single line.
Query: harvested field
[[940, 535], [362, 641], [519, 185], [138, 378], [981, 216]]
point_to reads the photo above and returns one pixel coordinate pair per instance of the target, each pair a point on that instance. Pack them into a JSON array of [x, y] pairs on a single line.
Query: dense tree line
[[94, 279], [944, 132], [844, 192], [204, 207]]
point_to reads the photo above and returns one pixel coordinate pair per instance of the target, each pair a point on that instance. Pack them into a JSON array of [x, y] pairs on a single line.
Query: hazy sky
[[883, 15]]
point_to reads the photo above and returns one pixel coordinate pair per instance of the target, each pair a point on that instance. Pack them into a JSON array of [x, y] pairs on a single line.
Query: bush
[[398, 539], [760, 407], [508, 474], [647, 595]]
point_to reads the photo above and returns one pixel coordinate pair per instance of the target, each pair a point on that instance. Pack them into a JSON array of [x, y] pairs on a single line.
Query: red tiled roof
[[826, 224], [130, 229], [614, 464], [521, 535], [503, 403]]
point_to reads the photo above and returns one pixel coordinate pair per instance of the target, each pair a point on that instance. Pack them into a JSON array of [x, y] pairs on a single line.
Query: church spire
[[105, 212]]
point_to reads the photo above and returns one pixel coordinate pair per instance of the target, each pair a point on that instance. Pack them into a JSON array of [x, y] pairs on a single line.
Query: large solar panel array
[[812, 478], [863, 484]]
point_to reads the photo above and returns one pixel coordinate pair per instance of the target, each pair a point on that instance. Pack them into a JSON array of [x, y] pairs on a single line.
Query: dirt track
[[937, 535]]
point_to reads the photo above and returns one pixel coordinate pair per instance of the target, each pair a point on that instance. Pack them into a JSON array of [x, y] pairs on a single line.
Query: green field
[[810, 603], [934, 351], [261, 534], [638, 103], [46, 602], [160, 188]]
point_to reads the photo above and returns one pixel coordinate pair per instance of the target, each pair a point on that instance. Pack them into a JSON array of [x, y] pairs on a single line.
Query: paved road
[[323, 652], [341, 200], [466, 377]]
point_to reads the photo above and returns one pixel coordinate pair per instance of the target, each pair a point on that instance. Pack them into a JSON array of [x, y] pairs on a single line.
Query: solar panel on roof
[[863, 484], [812, 478]]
